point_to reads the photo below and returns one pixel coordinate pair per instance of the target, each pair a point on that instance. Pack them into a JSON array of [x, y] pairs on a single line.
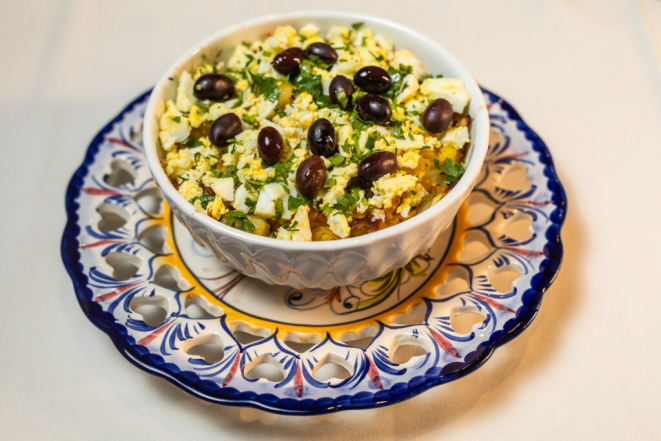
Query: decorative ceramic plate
[[174, 311]]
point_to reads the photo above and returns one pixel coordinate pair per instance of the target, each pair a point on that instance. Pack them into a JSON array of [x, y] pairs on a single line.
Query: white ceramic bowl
[[318, 264]]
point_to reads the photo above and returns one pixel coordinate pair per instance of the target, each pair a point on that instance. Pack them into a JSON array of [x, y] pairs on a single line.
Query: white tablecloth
[[584, 73]]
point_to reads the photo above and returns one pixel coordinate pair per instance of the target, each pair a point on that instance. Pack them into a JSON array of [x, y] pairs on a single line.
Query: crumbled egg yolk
[[242, 181]]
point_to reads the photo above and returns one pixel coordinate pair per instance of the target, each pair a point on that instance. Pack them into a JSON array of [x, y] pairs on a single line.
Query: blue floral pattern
[[373, 377]]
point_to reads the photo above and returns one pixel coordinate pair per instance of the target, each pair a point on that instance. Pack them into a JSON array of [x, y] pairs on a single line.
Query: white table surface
[[584, 73]]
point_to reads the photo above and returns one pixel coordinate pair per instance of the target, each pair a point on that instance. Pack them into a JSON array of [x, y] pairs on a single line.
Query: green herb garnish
[[279, 208], [358, 25], [202, 105], [192, 142], [205, 199], [266, 86], [430, 199], [249, 119], [452, 170], [238, 220], [292, 227], [342, 98]]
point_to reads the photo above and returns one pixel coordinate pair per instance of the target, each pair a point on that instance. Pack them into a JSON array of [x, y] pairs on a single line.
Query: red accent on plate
[[334, 294], [233, 369], [298, 380], [148, 339], [99, 243], [373, 373], [120, 142], [99, 191], [524, 252], [536, 204], [116, 292], [491, 302], [444, 343]]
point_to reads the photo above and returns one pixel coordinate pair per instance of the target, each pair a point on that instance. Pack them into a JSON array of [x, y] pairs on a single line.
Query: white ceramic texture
[[319, 264]]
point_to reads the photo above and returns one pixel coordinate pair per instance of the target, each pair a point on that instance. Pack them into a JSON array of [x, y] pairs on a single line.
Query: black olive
[[310, 176], [437, 116], [339, 83], [322, 51], [377, 164], [374, 108], [288, 60], [321, 138], [373, 79], [270, 145], [224, 128], [214, 87]]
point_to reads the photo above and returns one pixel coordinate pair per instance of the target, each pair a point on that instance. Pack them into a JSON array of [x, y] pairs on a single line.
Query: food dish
[[329, 263], [309, 136], [127, 254]]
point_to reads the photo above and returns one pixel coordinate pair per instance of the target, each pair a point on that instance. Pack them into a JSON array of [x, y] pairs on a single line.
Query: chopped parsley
[[342, 98], [249, 119], [202, 105], [292, 227], [238, 102], [379, 58], [252, 204], [357, 25], [306, 80], [238, 220], [451, 170], [177, 119], [279, 208], [397, 133], [205, 199], [266, 86], [369, 144], [336, 160], [229, 173], [429, 199], [192, 142], [293, 203]]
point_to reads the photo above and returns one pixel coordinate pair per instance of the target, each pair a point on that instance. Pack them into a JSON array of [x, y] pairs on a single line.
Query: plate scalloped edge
[[207, 390]]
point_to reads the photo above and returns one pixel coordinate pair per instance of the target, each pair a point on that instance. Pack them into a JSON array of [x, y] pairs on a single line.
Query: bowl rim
[[464, 184]]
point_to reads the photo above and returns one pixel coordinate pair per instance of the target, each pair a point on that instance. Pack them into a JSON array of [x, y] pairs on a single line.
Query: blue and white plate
[[174, 311]]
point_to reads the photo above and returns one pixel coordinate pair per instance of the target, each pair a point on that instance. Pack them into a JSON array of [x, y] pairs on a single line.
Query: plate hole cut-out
[[513, 179], [246, 335], [455, 282], [124, 265], [198, 307], [407, 346], [266, 367], [463, 319], [167, 276], [332, 367], [121, 173], [154, 309], [113, 217], [209, 347], [502, 279], [359, 340], [154, 238], [301, 343], [150, 200], [476, 247]]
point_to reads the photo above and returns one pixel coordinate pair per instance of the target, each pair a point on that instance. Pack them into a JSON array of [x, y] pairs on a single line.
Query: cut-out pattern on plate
[[178, 313]]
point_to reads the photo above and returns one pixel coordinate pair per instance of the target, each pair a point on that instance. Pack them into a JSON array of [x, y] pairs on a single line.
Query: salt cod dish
[[307, 136]]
